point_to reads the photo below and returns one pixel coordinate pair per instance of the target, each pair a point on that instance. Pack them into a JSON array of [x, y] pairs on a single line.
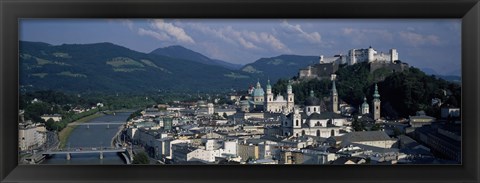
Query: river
[[92, 136]]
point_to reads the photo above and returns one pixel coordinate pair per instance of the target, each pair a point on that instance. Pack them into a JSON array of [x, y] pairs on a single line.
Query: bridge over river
[[97, 123], [90, 150]]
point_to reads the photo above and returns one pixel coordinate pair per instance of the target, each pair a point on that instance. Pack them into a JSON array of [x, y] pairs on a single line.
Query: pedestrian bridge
[[88, 150], [90, 124]]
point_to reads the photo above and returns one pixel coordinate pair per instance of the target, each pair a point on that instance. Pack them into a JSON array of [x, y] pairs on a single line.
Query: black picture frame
[[11, 11]]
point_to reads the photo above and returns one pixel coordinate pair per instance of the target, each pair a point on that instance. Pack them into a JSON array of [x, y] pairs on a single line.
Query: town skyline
[[424, 43]]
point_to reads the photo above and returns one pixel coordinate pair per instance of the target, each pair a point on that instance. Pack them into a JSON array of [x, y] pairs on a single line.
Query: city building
[[450, 112], [420, 120], [443, 139], [261, 101], [311, 121], [370, 138], [278, 103], [31, 136]]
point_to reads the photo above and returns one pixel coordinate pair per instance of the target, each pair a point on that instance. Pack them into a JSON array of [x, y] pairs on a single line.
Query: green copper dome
[[365, 104], [268, 85], [258, 91], [312, 100]]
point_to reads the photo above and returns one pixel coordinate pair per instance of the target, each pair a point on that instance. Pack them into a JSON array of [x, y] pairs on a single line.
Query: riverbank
[[116, 139], [65, 133]]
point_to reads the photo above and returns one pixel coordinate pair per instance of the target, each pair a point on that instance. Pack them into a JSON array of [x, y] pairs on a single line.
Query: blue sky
[[423, 43]]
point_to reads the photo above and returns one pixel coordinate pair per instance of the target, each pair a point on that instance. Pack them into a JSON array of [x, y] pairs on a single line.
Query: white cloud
[[158, 35], [416, 39], [247, 39], [313, 37], [166, 31], [273, 41]]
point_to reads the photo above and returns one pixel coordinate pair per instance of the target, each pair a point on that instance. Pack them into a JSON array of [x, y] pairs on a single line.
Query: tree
[[140, 158], [225, 115], [375, 127], [49, 124], [358, 125]]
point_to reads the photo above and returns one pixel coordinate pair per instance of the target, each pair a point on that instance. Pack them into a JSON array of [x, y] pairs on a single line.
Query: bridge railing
[[87, 149]]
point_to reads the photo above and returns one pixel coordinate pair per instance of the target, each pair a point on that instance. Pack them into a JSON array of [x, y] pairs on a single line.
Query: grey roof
[[422, 117], [363, 136], [325, 115], [303, 115], [255, 141], [374, 148]]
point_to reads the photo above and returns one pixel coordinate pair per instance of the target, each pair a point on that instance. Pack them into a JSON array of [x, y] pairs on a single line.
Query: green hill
[[402, 93], [283, 66]]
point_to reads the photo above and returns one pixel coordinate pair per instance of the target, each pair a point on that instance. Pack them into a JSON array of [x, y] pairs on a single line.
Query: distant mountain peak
[[177, 51]]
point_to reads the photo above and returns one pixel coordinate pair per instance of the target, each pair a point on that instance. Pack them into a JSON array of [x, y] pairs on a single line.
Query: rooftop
[[363, 136]]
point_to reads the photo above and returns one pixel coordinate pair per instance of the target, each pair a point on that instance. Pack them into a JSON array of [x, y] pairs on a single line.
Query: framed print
[[209, 91]]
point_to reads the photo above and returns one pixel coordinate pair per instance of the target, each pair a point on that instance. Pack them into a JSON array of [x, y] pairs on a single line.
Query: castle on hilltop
[[329, 65]]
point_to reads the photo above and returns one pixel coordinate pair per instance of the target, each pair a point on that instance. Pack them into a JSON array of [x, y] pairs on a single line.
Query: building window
[[314, 109], [309, 109], [296, 122], [318, 133]]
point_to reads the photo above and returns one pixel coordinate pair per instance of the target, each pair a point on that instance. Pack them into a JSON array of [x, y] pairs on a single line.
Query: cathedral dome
[[312, 100], [258, 92]]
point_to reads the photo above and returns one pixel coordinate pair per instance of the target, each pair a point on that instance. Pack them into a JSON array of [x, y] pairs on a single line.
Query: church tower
[[334, 98], [268, 96], [376, 104], [290, 97], [297, 119]]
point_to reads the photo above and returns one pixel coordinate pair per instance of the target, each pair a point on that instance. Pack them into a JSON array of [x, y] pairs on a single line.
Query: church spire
[[312, 94], [334, 88], [289, 87], [258, 84], [269, 87], [376, 95]]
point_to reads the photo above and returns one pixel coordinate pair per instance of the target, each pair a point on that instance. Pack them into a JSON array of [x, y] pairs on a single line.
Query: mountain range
[[107, 67], [186, 54]]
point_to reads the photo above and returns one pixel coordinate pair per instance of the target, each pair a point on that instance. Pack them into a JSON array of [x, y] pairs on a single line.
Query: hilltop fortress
[[329, 65]]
